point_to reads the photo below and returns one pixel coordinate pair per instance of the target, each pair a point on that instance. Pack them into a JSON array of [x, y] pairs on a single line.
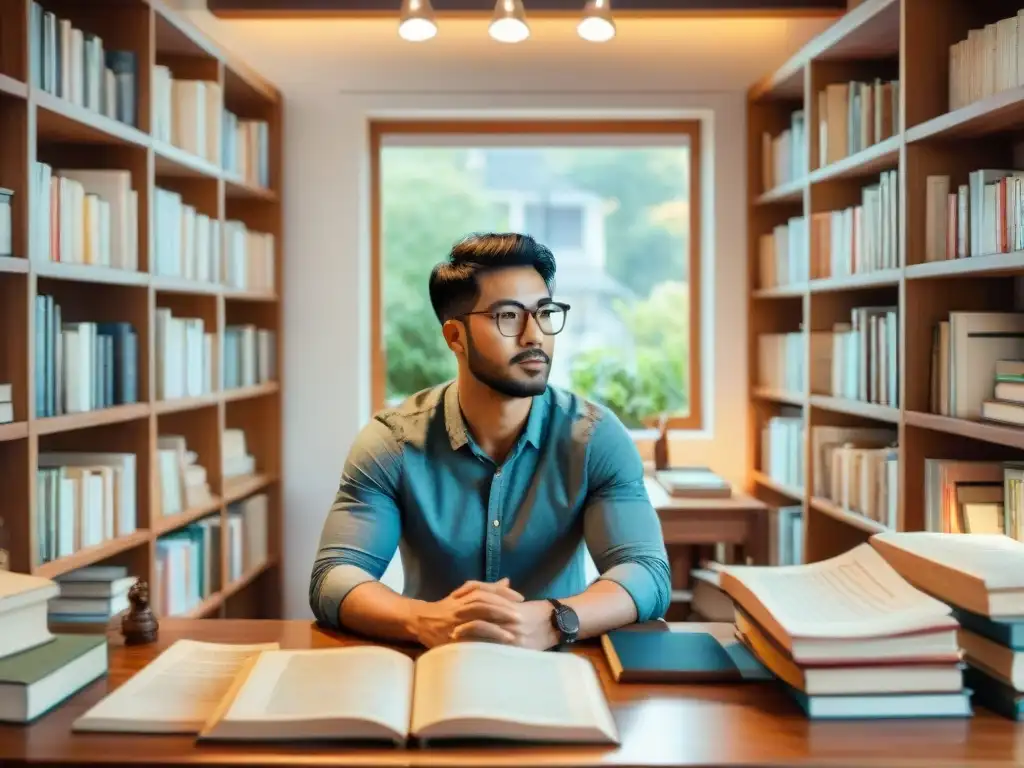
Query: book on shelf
[[780, 361], [6, 403], [248, 542], [782, 448], [1006, 403], [693, 483], [861, 238], [784, 157], [966, 352], [75, 64], [6, 223], [188, 567], [785, 535], [248, 258], [990, 59], [83, 499], [182, 480], [850, 637], [236, 461], [784, 255], [39, 668], [853, 116], [361, 693]]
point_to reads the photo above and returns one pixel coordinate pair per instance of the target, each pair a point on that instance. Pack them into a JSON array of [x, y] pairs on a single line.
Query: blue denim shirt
[[416, 481]]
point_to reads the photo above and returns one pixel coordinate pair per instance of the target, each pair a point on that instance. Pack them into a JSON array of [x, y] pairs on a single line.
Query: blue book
[[884, 706], [1009, 633], [994, 694]]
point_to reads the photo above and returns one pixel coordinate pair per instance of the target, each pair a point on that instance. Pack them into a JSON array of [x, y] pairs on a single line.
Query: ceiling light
[[509, 22], [597, 24], [417, 22]]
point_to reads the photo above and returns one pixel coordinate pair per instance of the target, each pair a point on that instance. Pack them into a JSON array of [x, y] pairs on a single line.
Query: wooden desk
[[752, 724]]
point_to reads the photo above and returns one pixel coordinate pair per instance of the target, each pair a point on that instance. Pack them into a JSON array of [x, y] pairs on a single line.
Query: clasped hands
[[489, 612]]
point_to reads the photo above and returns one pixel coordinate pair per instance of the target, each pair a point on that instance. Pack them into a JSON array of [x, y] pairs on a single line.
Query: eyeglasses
[[511, 318]]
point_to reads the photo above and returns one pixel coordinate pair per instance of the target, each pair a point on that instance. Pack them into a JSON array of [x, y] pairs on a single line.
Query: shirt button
[[495, 523], [497, 471]]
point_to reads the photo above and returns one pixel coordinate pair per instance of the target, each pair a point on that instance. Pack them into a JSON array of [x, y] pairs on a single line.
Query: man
[[493, 484]]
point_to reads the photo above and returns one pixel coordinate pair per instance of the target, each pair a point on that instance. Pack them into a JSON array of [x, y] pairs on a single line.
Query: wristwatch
[[565, 620]]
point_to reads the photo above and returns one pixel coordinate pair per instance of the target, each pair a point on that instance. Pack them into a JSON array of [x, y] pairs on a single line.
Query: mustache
[[531, 354]]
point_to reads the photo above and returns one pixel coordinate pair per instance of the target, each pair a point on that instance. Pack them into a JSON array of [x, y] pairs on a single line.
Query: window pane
[[617, 219]]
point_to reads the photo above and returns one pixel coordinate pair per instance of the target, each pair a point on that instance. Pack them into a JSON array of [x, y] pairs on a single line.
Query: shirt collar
[[458, 433]]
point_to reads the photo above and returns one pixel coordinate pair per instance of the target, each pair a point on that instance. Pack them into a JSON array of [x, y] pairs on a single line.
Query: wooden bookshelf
[[908, 41], [39, 125]]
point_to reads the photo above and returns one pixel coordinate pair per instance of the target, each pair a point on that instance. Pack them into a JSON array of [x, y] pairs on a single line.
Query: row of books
[[82, 366], [250, 356], [857, 469], [187, 113], [781, 361], [248, 258], [966, 351], [189, 565], [186, 243], [784, 254], [784, 157], [185, 356], [246, 149], [782, 448], [785, 536], [859, 360], [861, 238], [84, 216], [83, 499], [90, 598], [39, 667], [903, 625], [980, 218], [75, 65], [989, 60], [974, 496], [853, 116]]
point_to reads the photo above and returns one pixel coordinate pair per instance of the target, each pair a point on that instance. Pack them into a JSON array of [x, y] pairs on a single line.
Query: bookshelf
[[866, 224], [140, 310]]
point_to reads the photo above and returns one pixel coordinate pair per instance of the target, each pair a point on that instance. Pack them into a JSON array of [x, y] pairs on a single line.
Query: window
[[617, 203]]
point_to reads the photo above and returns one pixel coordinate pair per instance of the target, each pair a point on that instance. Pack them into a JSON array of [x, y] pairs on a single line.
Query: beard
[[498, 378]]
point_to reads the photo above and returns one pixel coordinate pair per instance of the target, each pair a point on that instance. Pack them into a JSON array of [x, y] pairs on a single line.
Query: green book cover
[[33, 665]]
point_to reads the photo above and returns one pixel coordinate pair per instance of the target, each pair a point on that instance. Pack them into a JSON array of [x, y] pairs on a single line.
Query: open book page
[[361, 692], [484, 690], [993, 560], [175, 693], [854, 595]]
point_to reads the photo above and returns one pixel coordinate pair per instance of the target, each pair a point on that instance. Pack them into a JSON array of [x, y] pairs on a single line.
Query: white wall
[[336, 75]]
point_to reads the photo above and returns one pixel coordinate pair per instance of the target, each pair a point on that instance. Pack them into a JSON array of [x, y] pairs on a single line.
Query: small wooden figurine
[[139, 626]]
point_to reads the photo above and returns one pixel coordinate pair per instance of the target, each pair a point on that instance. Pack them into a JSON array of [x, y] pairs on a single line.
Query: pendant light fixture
[[508, 24], [597, 25], [417, 21]]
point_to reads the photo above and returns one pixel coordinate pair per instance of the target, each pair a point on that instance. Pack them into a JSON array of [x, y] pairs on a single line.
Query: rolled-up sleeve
[[363, 526], [620, 525]]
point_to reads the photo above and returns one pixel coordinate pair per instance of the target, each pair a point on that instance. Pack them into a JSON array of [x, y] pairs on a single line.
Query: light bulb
[[509, 22], [417, 21], [597, 25]]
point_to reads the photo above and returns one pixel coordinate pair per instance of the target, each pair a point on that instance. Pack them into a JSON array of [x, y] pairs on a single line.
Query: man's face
[[503, 344]]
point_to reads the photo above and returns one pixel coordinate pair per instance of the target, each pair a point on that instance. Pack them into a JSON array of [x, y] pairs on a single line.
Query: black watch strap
[[565, 621]]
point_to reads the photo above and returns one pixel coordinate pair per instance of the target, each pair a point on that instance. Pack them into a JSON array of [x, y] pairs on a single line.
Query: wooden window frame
[[378, 129]]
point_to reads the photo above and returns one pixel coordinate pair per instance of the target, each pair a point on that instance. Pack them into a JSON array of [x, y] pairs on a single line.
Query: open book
[[462, 690], [848, 609]]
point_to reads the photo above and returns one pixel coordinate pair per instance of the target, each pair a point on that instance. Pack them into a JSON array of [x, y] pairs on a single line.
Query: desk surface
[[752, 724]]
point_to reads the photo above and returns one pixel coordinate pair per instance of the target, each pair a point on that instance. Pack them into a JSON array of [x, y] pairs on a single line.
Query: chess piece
[[139, 626]]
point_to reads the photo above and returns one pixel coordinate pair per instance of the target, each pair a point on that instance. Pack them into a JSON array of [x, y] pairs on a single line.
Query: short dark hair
[[453, 285]]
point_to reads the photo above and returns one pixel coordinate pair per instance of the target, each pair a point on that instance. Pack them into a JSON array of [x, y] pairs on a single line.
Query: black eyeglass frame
[[493, 314]]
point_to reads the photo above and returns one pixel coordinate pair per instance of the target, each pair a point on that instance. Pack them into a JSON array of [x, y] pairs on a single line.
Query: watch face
[[569, 622]]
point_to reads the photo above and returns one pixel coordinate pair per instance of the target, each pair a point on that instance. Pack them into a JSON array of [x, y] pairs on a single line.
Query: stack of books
[[849, 637], [91, 598], [40, 669], [981, 577]]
